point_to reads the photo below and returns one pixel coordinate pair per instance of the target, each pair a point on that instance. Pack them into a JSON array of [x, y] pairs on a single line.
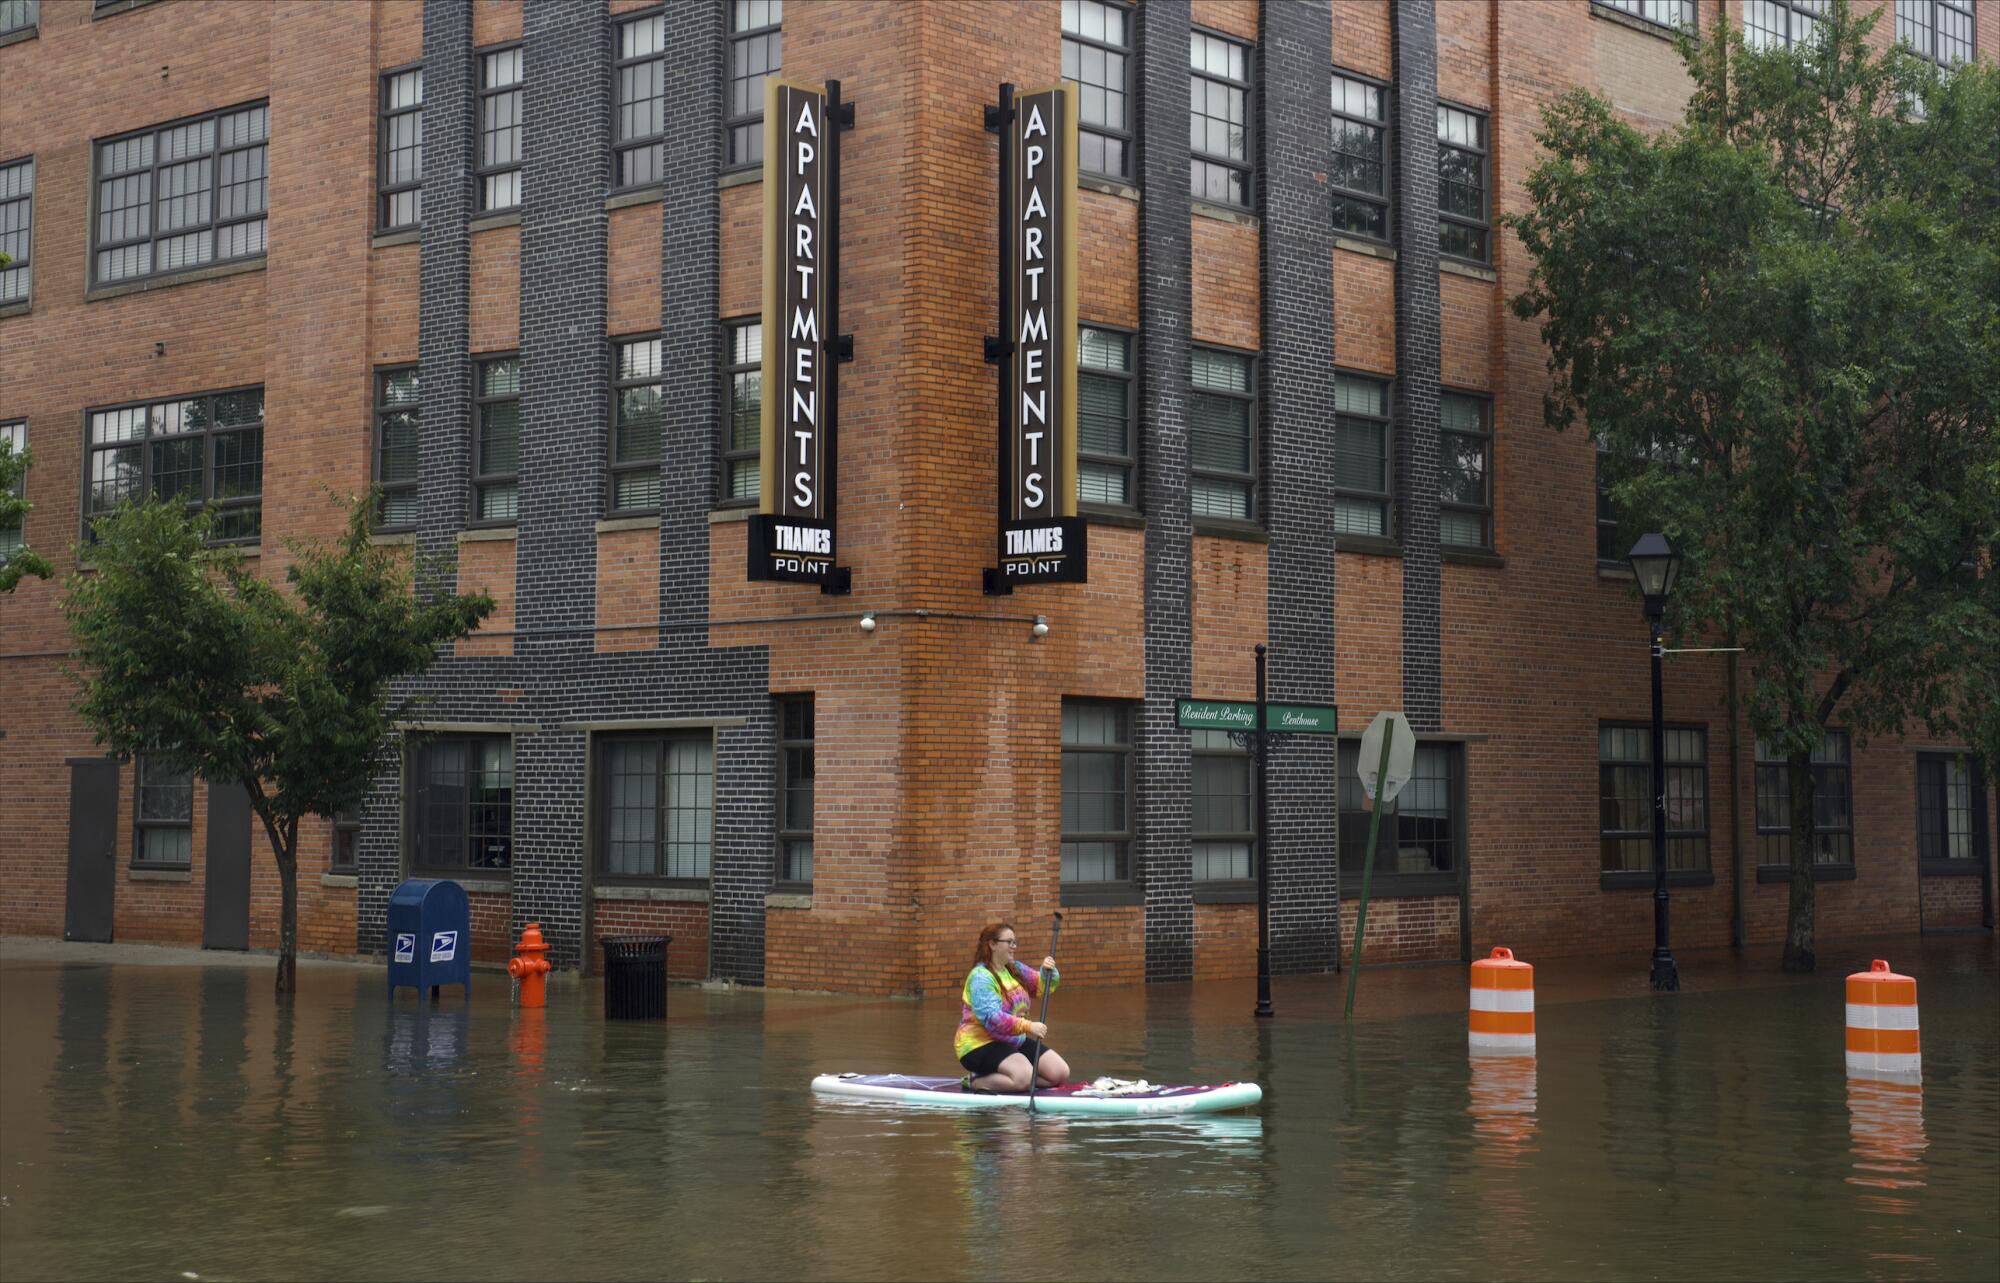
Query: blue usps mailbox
[[430, 936]]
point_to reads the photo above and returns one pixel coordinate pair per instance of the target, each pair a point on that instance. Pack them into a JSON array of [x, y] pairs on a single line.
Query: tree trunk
[[288, 917], [1799, 921]]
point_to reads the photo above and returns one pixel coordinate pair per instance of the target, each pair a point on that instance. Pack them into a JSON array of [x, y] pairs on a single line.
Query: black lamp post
[[1657, 564]]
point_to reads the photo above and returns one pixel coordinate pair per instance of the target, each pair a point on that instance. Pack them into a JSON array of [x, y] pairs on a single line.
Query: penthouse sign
[[1041, 539], [793, 535]]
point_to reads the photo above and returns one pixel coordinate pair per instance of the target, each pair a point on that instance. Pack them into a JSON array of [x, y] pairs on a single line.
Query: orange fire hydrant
[[529, 966]]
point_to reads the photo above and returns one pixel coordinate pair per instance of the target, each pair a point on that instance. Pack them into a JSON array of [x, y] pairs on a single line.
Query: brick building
[[504, 258]]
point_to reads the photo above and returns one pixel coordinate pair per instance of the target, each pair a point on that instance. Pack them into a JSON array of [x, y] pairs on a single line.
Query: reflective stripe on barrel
[[1882, 1038], [1502, 1008]]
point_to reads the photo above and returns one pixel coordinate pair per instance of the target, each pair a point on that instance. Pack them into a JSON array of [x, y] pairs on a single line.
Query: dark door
[[93, 848], [225, 918]]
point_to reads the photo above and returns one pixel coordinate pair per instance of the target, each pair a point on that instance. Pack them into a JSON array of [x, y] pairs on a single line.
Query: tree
[[184, 653], [1781, 321], [13, 511]]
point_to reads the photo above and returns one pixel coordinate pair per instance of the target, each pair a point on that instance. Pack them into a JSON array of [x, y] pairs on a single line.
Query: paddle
[[1035, 1061]]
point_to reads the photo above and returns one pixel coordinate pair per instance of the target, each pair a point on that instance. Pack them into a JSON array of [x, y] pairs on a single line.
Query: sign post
[[1393, 762]]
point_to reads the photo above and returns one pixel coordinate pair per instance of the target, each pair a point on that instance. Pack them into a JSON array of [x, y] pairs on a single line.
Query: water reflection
[[1886, 1121], [1502, 1105]]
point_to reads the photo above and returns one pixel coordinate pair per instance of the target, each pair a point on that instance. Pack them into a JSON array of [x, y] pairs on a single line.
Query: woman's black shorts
[[985, 1059]]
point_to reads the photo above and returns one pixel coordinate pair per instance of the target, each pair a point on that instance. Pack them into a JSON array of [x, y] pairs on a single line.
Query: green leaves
[[22, 560]]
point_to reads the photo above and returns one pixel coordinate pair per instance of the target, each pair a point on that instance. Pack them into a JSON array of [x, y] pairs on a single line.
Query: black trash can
[[635, 977]]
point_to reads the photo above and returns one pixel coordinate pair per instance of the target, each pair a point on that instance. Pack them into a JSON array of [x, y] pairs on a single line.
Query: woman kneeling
[[997, 1043]]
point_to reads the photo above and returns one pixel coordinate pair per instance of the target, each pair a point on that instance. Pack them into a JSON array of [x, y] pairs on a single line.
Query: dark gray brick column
[[745, 766], [444, 326], [1413, 40], [1166, 860], [548, 837], [1297, 390]]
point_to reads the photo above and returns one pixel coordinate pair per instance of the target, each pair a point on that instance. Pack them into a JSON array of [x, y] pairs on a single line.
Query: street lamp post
[[1656, 564]]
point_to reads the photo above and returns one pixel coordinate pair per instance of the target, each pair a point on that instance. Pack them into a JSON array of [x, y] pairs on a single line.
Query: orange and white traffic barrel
[[1882, 1041], [1502, 1019]]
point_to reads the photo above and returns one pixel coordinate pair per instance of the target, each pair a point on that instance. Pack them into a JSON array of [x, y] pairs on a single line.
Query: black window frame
[[1481, 512], [1386, 497], [1608, 522], [1341, 192], [417, 783], [14, 538], [1933, 856], [386, 190], [22, 268], [601, 750], [385, 375], [796, 730], [1247, 167], [1685, 874], [620, 64], [253, 503], [343, 854], [1127, 463], [32, 15], [749, 124], [1482, 226], [1930, 9], [483, 480], [614, 470], [1223, 746], [214, 225], [1119, 888], [1252, 480], [142, 823], [482, 93], [1801, 19], [1643, 11], [729, 453], [1353, 821], [1762, 784], [1125, 137]]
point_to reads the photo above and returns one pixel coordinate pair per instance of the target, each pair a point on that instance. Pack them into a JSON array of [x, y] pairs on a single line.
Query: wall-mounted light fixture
[[868, 622], [1041, 628]]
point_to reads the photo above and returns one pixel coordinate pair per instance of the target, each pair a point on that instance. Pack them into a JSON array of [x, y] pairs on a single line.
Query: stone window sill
[[17, 309], [1642, 879], [216, 272], [1222, 213], [1233, 891], [656, 893], [1112, 517], [113, 10], [637, 196], [1652, 29], [1472, 557], [1770, 874], [723, 516], [137, 874], [1367, 545], [472, 886], [1474, 270], [1960, 868], [612, 525], [339, 880], [1374, 249], [394, 539], [1217, 528], [16, 37], [1606, 570], [740, 178], [788, 900], [1108, 186], [489, 534], [501, 218], [407, 236], [1102, 895]]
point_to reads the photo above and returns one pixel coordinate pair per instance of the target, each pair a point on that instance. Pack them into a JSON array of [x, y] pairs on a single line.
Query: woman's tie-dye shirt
[[998, 1008]]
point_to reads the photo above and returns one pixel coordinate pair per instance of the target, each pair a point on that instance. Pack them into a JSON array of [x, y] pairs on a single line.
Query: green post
[[1368, 869]]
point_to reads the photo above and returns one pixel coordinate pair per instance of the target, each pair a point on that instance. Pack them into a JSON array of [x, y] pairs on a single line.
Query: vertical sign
[[1041, 539], [792, 535]]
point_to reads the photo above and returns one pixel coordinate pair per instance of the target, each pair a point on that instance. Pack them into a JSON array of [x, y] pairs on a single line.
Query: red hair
[[983, 956]]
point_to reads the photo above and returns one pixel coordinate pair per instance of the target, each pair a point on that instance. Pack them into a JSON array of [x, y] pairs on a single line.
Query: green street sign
[[1214, 715], [1303, 719]]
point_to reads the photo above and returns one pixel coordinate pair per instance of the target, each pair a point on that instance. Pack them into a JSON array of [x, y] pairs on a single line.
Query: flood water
[[168, 1121]]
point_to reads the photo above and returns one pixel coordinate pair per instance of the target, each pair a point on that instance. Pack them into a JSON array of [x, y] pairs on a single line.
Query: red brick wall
[[687, 923], [1410, 929]]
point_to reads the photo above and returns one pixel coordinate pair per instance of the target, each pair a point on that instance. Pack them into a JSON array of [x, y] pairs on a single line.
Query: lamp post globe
[[1656, 565]]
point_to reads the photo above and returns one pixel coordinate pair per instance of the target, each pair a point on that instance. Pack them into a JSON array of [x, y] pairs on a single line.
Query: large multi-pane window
[[163, 815], [202, 450], [19, 15], [657, 805], [500, 129], [637, 425], [182, 195], [496, 447], [743, 411], [640, 84], [17, 226], [1224, 819], [1360, 171], [1095, 55], [462, 803], [1833, 803], [1360, 456], [1671, 14], [402, 161], [1222, 447], [1951, 821], [756, 53], [1421, 837], [1782, 24], [1104, 407], [1096, 791], [795, 789], [1463, 230], [1625, 798], [1465, 471], [1938, 30], [1219, 119], [14, 436], [399, 419], [344, 857]]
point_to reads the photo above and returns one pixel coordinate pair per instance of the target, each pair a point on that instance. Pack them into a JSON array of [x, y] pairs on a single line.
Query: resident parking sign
[[443, 945], [406, 947]]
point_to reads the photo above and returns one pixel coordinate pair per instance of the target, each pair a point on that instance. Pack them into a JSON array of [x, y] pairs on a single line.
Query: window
[[1609, 551], [1094, 52], [1661, 13], [658, 810], [637, 424], [1937, 30], [15, 437], [1625, 798], [399, 417], [1225, 817], [1462, 229], [640, 78], [164, 815], [181, 195], [743, 412], [756, 51], [496, 453], [346, 842], [462, 803], [1951, 820], [402, 128], [500, 128], [1096, 791], [19, 15], [795, 789], [1418, 848], [1465, 464], [17, 224], [1360, 456], [1360, 171], [206, 449], [1833, 811], [1104, 402], [1781, 24], [1221, 445], [1219, 125]]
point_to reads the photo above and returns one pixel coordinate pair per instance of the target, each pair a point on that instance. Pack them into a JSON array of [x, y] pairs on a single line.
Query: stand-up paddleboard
[[1104, 1097]]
